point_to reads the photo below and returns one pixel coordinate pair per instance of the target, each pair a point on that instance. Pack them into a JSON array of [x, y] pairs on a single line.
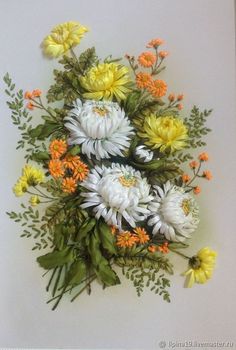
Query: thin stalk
[[57, 281], [50, 281]]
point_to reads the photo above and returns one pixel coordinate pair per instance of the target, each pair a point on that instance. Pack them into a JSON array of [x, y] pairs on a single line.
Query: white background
[[199, 35]]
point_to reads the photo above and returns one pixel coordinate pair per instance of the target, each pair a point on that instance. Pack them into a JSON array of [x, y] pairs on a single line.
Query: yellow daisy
[[201, 267], [105, 81], [165, 133], [20, 187], [34, 200], [32, 176], [63, 37]]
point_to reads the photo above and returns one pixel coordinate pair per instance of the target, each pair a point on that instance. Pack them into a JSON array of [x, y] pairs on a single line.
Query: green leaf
[[56, 258], [74, 150], [43, 131], [85, 228], [152, 165], [40, 156], [59, 236], [76, 273], [101, 266], [106, 237]]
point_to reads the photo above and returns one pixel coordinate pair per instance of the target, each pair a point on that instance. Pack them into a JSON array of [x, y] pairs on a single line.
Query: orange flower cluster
[[129, 239], [65, 166], [30, 96], [161, 248], [196, 166]]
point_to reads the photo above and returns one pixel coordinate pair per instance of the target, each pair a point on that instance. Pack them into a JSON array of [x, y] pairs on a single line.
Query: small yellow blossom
[[63, 37], [201, 267], [34, 200], [165, 133], [20, 187], [32, 176], [105, 81]]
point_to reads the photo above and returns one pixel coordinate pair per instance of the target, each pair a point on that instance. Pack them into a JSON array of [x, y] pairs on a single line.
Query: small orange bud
[[152, 248], [179, 106], [28, 95], [197, 190], [186, 178], [203, 157], [180, 97], [171, 97], [163, 54], [207, 174], [36, 93], [194, 164], [30, 106]]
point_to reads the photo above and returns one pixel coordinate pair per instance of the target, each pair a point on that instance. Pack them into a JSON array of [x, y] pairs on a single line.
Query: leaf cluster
[[67, 85]]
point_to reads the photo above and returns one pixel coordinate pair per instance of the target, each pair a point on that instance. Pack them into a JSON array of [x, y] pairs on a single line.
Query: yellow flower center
[[186, 206], [101, 111], [127, 180]]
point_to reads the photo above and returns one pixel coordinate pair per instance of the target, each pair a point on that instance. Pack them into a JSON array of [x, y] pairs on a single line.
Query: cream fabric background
[[200, 37]]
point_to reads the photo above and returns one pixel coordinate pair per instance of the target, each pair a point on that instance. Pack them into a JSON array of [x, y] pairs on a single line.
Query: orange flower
[[126, 239], [197, 190], [147, 59], [141, 234], [71, 162], [68, 185], [203, 157], [164, 248], [158, 88], [163, 54], [155, 43], [80, 172], [143, 80], [113, 229], [180, 97], [179, 106], [186, 178], [36, 93], [28, 95], [152, 248], [194, 164], [171, 97], [56, 168], [30, 106], [207, 174], [57, 148]]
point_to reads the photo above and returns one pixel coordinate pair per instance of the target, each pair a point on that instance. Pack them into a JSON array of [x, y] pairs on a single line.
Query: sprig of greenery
[[34, 226], [67, 85]]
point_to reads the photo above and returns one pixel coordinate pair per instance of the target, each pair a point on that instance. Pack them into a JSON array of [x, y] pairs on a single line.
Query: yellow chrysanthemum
[[63, 37], [202, 266], [32, 176], [20, 187], [165, 133], [105, 81], [34, 200]]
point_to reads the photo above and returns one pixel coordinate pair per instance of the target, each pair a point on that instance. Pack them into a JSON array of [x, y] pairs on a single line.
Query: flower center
[[195, 262], [101, 111], [186, 206], [127, 180]]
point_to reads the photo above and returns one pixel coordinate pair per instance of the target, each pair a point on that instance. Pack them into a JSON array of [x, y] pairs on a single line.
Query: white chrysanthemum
[[100, 127], [116, 193], [143, 153], [175, 214]]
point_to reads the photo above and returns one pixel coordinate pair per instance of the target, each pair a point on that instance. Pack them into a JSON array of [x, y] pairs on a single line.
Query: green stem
[[84, 288], [181, 254], [195, 175], [46, 196], [50, 281]]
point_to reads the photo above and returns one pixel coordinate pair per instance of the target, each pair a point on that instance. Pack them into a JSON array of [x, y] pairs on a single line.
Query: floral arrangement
[[109, 194]]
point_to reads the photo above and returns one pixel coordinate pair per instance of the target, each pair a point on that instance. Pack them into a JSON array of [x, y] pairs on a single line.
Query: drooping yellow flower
[[32, 176], [165, 133], [201, 267], [63, 37], [34, 200], [105, 81], [20, 187]]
